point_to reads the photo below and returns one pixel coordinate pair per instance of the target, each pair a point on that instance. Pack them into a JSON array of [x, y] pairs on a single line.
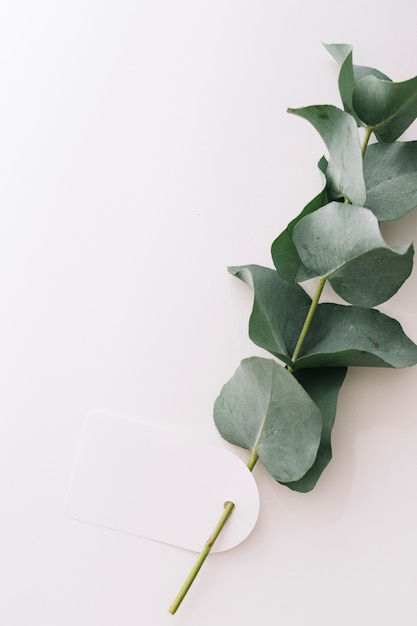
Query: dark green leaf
[[284, 253], [338, 130], [346, 85], [388, 108], [350, 74], [390, 172], [287, 260], [275, 300], [322, 385], [264, 409], [343, 243], [350, 336]]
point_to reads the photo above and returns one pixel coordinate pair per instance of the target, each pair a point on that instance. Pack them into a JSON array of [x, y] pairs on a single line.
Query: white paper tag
[[133, 477]]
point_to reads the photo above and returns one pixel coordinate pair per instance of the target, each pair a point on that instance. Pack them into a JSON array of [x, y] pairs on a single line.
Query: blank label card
[[133, 477]]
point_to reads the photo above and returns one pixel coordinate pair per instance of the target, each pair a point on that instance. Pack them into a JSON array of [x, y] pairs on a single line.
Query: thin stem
[[308, 320], [252, 461], [368, 132], [228, 508]]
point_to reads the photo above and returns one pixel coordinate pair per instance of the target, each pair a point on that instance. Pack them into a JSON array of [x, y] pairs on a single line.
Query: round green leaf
[[390, 172], [350, 336], [264, 409], [388, 107], [343, 243]]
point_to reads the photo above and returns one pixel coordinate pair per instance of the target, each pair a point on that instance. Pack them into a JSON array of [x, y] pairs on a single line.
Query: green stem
[[228, 508], [252, 461], [368, 132], [308, 320]]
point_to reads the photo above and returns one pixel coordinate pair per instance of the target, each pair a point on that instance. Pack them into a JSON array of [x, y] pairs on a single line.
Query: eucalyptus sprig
[[282, 410]]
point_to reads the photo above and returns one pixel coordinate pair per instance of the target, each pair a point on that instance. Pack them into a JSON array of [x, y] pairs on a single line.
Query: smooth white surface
[[144, 147], [136, 478]]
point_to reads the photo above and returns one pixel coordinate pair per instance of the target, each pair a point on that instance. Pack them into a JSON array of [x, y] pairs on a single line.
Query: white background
[[144, 147]]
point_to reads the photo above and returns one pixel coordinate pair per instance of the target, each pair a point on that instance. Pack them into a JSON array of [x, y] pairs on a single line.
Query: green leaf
[[284, 253], [264, 409], [350, 74], [350, 336], [343, 55], [338, 130], [361, 71], [339, 51], [388, 108], [275, 300], [390, 172], [343, 243], [322, 385], [287, 260]]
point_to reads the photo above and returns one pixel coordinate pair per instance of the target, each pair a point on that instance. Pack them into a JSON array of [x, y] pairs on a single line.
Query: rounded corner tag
[[139, 479]]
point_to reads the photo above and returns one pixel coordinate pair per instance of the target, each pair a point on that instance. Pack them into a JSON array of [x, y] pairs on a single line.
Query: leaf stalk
[[228, 509], [308, 320], [368, 132]]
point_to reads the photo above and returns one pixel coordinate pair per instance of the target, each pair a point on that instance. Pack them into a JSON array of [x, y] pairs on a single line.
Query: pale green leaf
[[339, 51], [339, 132], [390, 172], [343, 243], [264, 409]]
